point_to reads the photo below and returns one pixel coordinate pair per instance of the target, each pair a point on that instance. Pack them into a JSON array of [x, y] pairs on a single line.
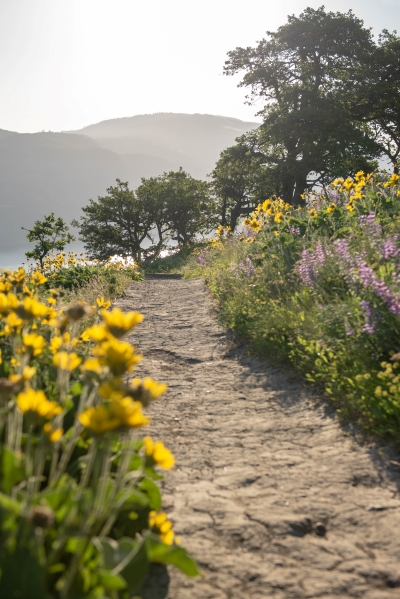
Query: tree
[[301, 72], [51, 234], [375, 100], [184, 205], [117, 223], [241, 179]]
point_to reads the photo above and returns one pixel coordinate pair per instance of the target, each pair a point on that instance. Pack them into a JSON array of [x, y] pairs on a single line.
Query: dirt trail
[[269, 494]]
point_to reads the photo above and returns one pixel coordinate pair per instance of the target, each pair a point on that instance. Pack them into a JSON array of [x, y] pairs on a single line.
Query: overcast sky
[[65, 64]]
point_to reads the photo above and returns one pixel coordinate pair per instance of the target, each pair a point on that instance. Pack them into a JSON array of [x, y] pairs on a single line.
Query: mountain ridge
[[60, 171]]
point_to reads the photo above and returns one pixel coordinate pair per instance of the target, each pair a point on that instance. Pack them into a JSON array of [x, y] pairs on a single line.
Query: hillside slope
[[193, 141], [60, 172]]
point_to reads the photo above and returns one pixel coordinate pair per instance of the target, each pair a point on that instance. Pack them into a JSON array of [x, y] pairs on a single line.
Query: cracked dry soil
[[268, 494]]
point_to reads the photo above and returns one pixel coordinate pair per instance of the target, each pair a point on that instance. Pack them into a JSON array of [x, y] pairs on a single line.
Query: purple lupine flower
[[202, 257], [248, 270], [370, 279], [368, 326], [250, 266], [389, 249], [295, 231], [369, 224], [311, 262]]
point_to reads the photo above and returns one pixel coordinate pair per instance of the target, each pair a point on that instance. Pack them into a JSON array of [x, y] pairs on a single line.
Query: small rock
[[320, 529]]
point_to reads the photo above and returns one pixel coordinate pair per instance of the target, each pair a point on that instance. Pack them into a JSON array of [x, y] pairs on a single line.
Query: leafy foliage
[[51, 234]]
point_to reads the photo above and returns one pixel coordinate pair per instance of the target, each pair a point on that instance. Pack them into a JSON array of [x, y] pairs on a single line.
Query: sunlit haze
[[67, 63]]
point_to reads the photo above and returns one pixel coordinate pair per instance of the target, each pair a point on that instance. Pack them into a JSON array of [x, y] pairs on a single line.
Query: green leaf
[[22, 573], [10, 504], [114, 582], [160, 553], [132, 556], [153, 493], [135, 499], [12, 470], [76, 388]]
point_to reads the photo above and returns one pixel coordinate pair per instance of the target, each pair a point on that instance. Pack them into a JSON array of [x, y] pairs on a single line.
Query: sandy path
[[269, 494]]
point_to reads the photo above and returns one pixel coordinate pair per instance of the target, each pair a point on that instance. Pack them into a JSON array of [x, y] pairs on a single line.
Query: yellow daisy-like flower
[[120, 357], [33, 343], [350, 207], [278, 217], [119, 323], [30, 308], [313, 213], [113, 415], [159, 453], [37, 278], [102, 303], [7, 302], [162, 526], [92, 365], [36, 401], [97, 332], [67, 361], [331, 208], [392, 181], [146, 390], [53, 434]]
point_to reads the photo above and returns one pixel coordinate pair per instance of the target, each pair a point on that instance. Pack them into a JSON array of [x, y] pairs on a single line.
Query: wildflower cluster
[[326, 294], [270, 213], [76, 478]]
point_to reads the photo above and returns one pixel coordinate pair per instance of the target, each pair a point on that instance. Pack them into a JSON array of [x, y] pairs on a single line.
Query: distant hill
[[193, 141], [60, 172]]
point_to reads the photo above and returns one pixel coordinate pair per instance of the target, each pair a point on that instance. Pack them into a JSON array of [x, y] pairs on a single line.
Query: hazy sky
[[67, 63]]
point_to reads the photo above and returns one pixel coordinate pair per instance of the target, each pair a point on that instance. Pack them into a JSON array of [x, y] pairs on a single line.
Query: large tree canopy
[[302, 72], [241, 179], [117, 223], [172, 207], [185, 207]]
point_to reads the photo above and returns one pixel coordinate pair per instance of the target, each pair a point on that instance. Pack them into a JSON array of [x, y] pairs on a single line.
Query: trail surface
[[269, 494]]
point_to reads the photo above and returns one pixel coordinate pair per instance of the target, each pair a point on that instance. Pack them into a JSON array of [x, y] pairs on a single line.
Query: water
[[15, 258]]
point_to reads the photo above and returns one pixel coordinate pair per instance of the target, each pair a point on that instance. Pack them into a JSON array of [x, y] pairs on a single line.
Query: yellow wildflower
[[97, 332], [119, 323], [67, 361], [102, 303], [55, 344], [52, 434], [313, 213], [92, 365], [146, 390], [278, 217], [159, 453], [350, 207], [120, 357], [37, 278], [14, 324], [113, 415], [392, 181], [33, 343], [36, 401], [30, 308], [7, 302], [162, 526], [331, 208]]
